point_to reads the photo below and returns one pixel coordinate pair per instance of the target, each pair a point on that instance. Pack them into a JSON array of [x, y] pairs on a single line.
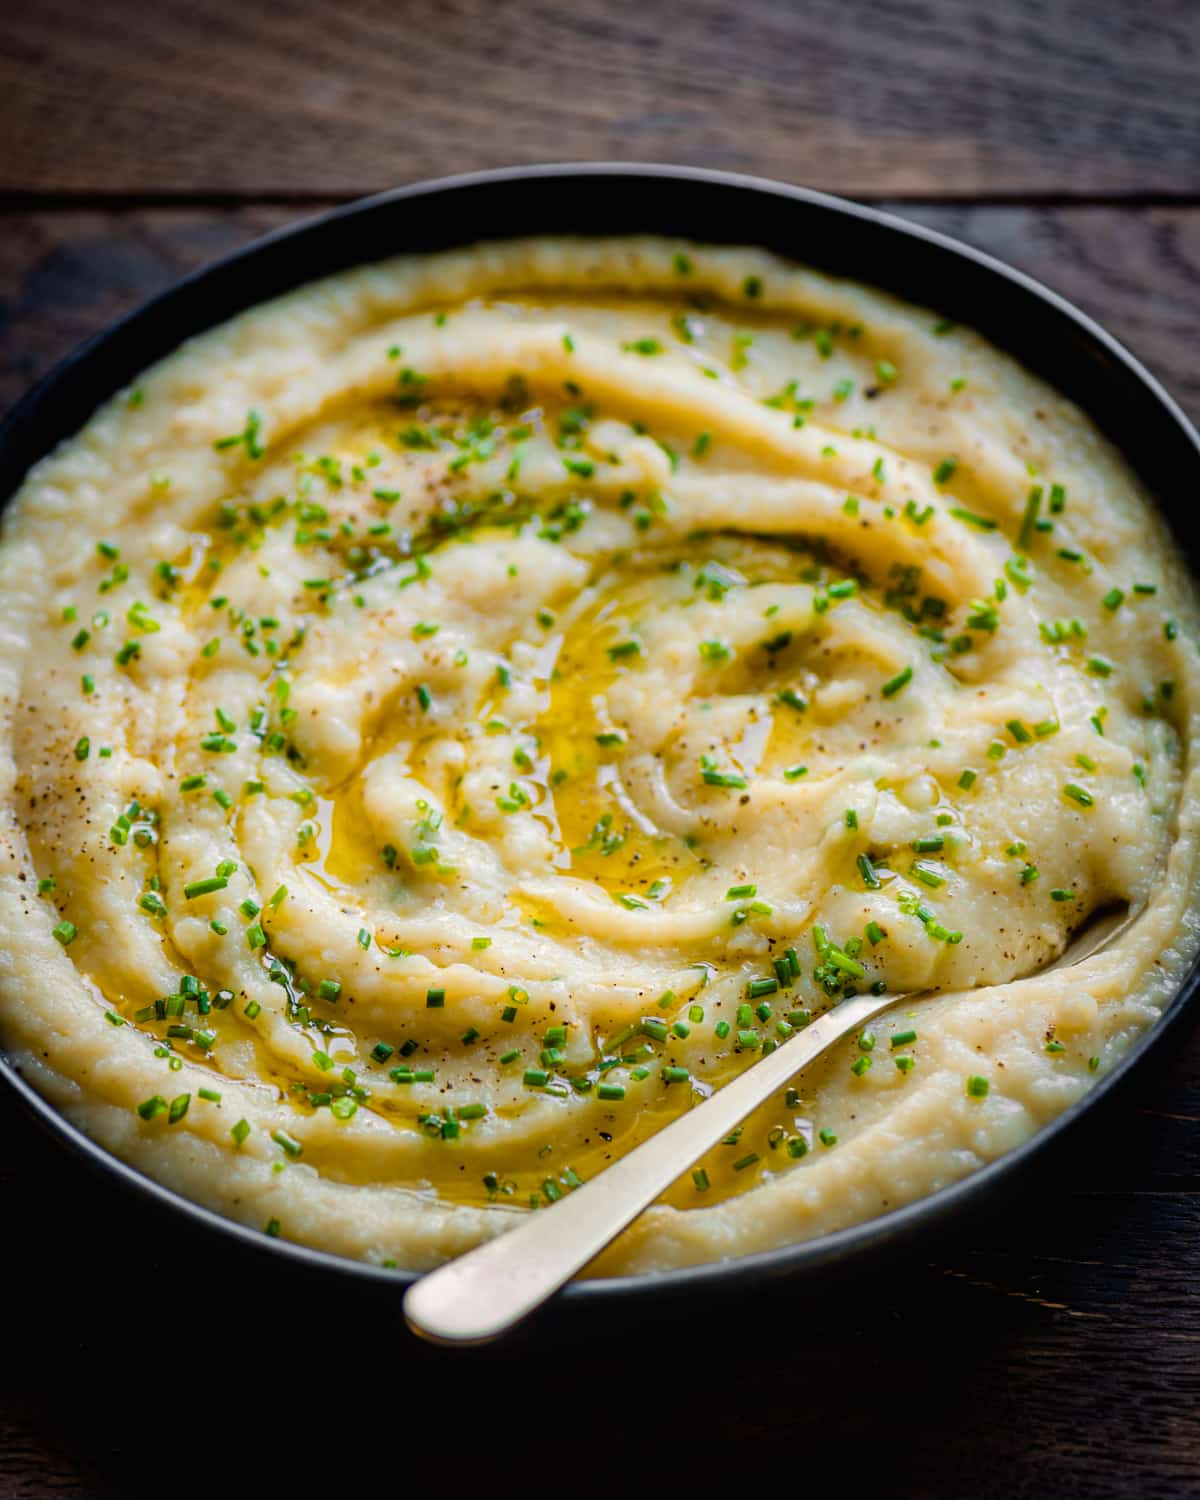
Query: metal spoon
[[484, 1293]]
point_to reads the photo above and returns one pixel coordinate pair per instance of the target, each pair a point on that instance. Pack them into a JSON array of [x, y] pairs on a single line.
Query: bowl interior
[[1044, 332]]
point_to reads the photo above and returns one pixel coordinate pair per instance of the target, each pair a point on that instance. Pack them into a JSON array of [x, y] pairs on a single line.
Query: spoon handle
[[485, 1292]]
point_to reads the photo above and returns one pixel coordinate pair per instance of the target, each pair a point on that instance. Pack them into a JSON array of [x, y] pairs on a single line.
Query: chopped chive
[[972, 518], [714, 651], [711, 775], [945, 471], [867, 870], [287, 1142], [894, 684], [1033, 504]]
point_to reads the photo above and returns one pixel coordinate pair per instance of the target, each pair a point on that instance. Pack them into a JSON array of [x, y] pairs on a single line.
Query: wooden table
[[1051, 1348]]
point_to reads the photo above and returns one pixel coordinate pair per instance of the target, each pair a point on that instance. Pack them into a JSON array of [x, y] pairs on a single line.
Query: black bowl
[[1044, 332]]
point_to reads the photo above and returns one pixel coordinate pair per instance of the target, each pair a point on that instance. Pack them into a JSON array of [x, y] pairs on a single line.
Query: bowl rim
[[838, 1246]]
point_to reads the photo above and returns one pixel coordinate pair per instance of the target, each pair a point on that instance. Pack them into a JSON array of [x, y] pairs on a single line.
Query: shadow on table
[[1047, 1347]]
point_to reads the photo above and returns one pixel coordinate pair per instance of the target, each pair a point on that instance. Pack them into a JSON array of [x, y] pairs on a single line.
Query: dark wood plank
[[1048, 1346], [65, 274], [1137, 273], [913, 97]]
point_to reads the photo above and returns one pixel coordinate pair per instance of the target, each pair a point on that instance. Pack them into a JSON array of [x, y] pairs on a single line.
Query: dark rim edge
[[894, 1226]]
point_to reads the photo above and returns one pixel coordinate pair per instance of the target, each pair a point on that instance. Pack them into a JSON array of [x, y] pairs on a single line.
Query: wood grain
[[1047, 1347], [1050, 1347], [65, 273], [881, 97]]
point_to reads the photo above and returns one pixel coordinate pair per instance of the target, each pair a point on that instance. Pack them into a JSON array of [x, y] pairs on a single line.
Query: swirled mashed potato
[[457, 715]]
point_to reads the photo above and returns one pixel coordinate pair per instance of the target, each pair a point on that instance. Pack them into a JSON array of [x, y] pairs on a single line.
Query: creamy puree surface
[[459, 714]]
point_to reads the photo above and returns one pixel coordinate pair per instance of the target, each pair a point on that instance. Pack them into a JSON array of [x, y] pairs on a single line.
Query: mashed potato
[[459, 714]]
